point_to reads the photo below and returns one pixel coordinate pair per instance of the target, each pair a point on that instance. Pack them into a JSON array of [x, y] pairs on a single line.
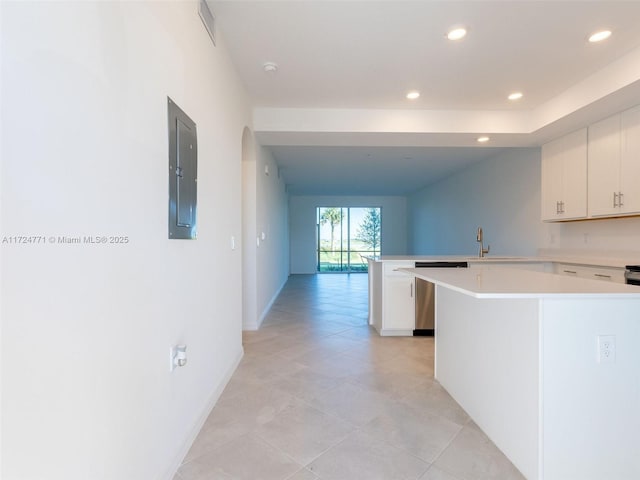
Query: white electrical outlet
[[177, 357], [606, 349]]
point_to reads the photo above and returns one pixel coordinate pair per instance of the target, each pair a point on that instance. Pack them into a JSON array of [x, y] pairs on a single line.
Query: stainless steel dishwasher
[[426, 299]]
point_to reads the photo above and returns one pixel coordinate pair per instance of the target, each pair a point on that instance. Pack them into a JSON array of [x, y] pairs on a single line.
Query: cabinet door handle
[[600, 275], [559, 207], [411, 290], [620, 196], [572, 272], [615, 199]]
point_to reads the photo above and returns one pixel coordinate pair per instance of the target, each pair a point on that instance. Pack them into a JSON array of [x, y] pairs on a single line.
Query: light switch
[[263, 236]]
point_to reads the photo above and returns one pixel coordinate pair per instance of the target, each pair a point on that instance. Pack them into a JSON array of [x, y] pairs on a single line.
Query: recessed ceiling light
[[482, 139], [515, 96], [600, 36], [413, 95], [456, 33]]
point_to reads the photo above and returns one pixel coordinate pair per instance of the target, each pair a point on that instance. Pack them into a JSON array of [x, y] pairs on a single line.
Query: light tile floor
[[319, 395]]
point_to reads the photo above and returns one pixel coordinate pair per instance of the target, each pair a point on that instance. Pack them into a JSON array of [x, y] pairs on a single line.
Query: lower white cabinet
[[609, 274], [398, 303]]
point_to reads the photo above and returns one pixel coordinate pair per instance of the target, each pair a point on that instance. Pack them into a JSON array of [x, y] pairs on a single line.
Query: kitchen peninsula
[[547, 365], [392, 293]]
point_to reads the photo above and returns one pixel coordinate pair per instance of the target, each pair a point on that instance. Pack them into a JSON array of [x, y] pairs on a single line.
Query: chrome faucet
[[483, 251]]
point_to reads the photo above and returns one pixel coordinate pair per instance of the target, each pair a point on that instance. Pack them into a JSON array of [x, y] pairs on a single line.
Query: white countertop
[[599, 260], [497, 282], [455, 258]]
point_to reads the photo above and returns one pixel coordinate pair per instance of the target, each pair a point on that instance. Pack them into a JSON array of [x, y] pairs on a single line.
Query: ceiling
[[313, 170], [364, 55]]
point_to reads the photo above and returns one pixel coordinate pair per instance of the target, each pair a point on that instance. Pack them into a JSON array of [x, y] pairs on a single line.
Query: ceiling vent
[[208, 19]]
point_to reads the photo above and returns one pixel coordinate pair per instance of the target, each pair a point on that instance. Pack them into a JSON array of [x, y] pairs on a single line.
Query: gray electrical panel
[[183, 173]]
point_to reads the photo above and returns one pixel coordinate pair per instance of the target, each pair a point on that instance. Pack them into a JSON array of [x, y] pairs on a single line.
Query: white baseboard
[[250, 326], [256, 325], [193, 433], [390, 332]]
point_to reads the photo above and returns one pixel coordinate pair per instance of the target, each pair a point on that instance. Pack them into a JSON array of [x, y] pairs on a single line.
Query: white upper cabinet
[[614, 165], [604, 166], [630, 161], [551, 180], [564, 178]]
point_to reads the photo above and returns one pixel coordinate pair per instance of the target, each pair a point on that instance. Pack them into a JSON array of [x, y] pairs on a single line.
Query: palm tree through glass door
[[345, 235]]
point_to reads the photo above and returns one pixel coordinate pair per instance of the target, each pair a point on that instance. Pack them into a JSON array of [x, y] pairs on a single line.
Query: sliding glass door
[[345, 235]]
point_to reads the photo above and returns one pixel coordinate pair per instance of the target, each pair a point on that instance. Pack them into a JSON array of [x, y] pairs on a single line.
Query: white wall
[[249, 216], [611, 235], [501, 194], [271, 239], [86, 329], [302, 218]]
